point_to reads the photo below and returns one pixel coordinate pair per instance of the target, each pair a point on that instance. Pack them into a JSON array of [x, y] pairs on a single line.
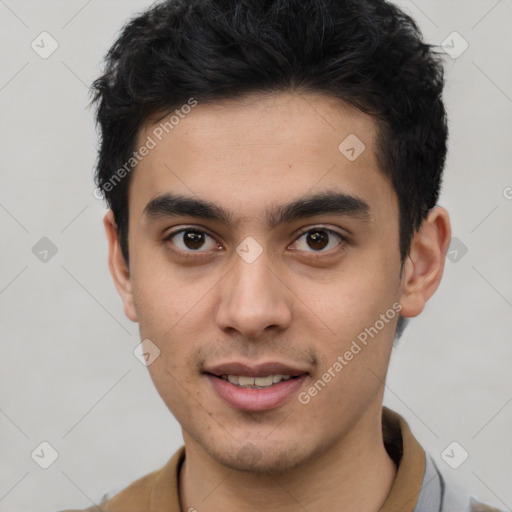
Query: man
[[272, 170]]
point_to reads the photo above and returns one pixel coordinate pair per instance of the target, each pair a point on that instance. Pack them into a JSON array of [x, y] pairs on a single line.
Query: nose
[[252, 300]]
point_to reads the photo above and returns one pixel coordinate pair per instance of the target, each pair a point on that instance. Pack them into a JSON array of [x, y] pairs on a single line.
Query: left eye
[[318, 240], [192, 240]]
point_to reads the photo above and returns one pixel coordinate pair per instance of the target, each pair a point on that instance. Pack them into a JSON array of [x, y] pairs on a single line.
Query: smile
[[255, 382], [256, 394]]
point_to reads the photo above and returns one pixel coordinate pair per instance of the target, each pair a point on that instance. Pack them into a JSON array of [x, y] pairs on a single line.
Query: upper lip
[[254, 370]]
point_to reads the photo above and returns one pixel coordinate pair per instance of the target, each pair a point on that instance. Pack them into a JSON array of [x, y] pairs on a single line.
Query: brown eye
[[193, 239], [188, 240], [318, 240]]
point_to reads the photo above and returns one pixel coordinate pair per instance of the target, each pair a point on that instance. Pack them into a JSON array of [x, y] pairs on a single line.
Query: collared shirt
[[418, 485]]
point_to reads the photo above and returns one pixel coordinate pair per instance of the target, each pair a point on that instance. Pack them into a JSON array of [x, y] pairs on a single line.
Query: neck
[[356, 473]]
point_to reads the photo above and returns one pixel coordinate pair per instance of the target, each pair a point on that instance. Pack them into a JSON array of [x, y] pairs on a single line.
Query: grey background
[[68, 373]]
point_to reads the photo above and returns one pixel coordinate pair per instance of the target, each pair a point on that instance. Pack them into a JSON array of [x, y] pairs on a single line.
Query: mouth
[[258, 387], [267, 381]]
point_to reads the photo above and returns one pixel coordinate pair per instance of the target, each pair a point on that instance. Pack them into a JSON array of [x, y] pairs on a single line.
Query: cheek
[[166, 296], [354, 360], [354, 298], [174, 316], [351, 305], [177, 331]]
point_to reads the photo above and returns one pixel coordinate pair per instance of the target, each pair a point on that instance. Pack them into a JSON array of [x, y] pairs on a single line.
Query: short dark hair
[[367, 53]]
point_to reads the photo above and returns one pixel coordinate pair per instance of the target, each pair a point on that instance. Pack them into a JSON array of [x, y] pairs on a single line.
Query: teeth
[[255, 382], [263, 381], [245, 381], [234, 379]]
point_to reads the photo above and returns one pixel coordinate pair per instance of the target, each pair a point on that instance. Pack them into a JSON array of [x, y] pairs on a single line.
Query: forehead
[[260, 151]]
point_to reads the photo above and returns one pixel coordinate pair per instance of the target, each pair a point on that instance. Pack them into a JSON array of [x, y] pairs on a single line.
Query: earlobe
[[118, 266], [423, 268]]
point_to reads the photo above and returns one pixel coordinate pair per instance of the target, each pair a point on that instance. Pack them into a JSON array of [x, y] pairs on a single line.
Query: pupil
[[193, 239], [317, 239]]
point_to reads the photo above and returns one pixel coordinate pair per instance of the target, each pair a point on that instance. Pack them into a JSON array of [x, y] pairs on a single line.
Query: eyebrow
[[324, 203], [337, 203]]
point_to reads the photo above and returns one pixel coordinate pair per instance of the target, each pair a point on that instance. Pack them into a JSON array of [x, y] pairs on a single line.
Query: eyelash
[[343, 241], [317, 254], [187, 254]]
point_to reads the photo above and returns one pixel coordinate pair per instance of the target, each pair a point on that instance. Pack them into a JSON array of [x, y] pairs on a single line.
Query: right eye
[[192, 240]]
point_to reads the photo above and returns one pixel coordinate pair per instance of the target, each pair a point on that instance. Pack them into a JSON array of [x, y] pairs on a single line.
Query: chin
[[258, 458]]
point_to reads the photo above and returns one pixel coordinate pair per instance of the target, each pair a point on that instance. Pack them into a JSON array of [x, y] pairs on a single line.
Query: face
[[260, 255]]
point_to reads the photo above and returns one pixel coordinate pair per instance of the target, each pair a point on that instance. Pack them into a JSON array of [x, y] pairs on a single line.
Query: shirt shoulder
[[134, 497], [154, 489]]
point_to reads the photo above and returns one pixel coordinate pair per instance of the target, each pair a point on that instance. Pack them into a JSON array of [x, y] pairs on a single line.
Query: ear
[[118, 266], [423, 268]]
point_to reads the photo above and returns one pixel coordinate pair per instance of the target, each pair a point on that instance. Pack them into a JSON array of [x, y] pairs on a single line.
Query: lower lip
[[252, 399]]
